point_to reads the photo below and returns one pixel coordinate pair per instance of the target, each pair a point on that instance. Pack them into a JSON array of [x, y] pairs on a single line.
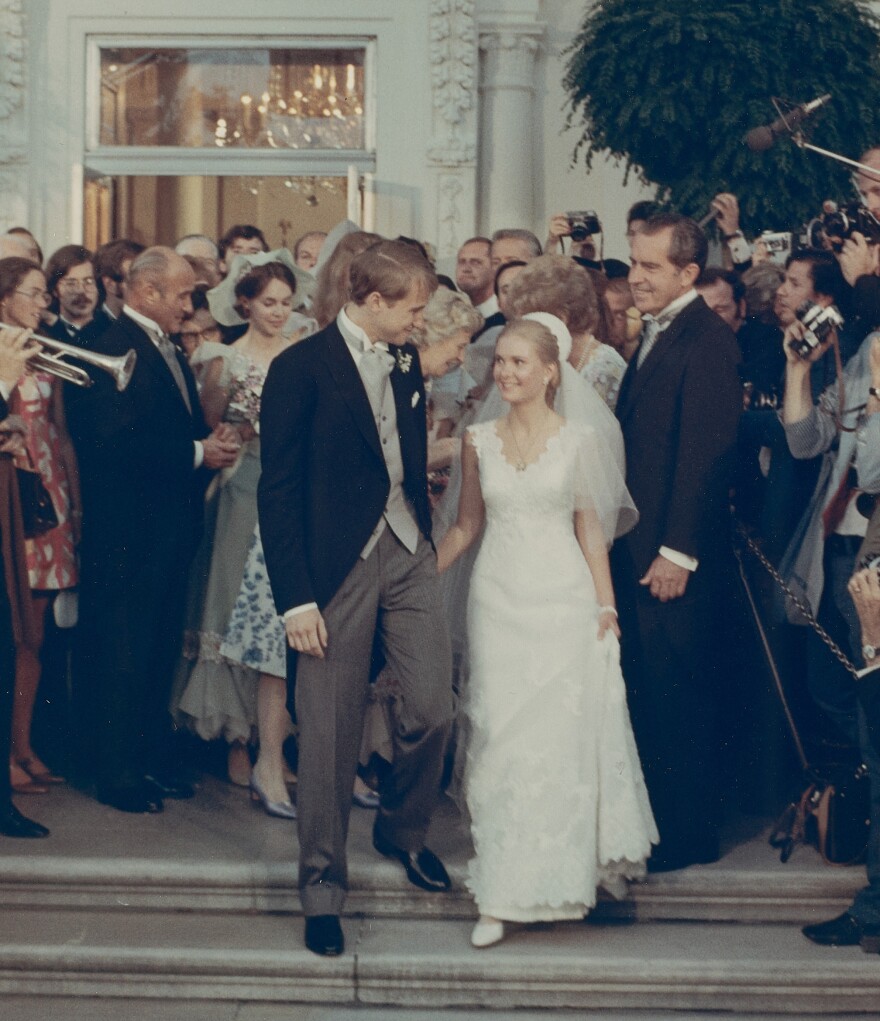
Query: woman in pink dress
[[51, 557]]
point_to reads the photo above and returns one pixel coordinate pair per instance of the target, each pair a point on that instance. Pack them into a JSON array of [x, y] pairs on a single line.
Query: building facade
[[436, 119]]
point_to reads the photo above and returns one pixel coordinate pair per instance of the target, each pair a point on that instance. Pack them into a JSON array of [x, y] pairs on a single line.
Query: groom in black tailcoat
[[679, 405], [346, 530]]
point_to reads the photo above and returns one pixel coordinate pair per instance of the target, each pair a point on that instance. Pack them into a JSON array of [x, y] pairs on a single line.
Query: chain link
[[804, 609]]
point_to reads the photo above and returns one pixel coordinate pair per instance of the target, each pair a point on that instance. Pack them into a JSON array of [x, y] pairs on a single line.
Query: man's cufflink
[[415, 398], [869, 652]]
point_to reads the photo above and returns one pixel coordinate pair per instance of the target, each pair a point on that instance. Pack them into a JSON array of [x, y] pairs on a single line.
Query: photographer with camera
[[844, 427], [582, 226]]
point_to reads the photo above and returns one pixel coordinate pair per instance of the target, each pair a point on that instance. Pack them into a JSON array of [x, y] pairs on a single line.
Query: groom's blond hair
[[391, 269]]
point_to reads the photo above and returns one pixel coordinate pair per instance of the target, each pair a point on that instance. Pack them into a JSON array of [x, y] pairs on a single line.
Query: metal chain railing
[[804, 609]]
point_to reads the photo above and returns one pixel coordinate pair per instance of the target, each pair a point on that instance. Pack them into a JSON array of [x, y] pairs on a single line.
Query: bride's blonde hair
[[546, 347]]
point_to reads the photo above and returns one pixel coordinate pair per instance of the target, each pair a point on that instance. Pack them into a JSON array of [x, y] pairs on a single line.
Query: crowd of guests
[[155, 556]]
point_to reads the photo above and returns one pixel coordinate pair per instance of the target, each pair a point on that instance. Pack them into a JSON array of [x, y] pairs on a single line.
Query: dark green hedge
[[671, 86]]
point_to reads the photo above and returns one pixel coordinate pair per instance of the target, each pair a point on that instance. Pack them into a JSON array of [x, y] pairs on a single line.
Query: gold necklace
[[521, 464]]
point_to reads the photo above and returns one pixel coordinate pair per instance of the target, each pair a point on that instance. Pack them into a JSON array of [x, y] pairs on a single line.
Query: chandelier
[[302, 108]]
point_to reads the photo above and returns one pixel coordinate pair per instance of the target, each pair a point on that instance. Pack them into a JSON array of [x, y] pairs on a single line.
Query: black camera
[[837, 224], [819, 321], [583, 224]]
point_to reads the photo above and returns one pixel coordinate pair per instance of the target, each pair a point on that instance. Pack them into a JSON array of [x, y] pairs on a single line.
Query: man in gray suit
[[346, 531]]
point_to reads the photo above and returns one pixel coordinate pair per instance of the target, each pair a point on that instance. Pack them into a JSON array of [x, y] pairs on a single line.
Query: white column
[[506, 155]]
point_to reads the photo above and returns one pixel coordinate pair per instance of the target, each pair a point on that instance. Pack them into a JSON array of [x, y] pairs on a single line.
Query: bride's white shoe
[[487, 932]]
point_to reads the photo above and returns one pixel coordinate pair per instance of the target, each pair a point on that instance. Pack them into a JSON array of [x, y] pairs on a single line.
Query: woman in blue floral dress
[[230, 696]]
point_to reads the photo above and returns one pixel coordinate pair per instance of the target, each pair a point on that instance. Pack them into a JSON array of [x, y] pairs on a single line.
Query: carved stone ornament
[[453, 54], [449, 214], [11, 56], [510, 56]]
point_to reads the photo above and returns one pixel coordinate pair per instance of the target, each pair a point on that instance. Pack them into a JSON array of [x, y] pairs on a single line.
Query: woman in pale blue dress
[[222, 696]]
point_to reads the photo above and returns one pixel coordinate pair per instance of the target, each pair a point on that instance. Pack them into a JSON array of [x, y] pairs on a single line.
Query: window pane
[[248, 98]]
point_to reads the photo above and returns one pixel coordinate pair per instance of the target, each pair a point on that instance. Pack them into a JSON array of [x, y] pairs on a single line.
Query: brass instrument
[[51, 360]]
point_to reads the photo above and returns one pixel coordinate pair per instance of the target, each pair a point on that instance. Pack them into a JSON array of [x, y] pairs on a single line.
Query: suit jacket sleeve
[[711, 405], [286, 410]]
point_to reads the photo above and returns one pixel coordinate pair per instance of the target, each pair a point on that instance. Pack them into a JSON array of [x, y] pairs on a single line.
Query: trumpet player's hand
[[16, 347], [220, 448], [13, 444]]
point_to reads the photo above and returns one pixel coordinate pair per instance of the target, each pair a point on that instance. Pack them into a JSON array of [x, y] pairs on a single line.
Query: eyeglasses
[[41, 297], [206, 334], [86, 284]]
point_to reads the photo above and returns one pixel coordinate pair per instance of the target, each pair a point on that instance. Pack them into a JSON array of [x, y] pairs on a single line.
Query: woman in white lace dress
[[553, 782]]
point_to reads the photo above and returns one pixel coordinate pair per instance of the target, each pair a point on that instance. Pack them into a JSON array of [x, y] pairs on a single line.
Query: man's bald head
[[160, 285]]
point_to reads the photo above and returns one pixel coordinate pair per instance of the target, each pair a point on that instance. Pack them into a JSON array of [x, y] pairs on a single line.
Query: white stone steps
[[647, 967], [379, 888], [26, 1008]]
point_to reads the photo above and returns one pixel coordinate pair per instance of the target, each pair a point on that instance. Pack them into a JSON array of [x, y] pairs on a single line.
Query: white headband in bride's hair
[[557, 327]]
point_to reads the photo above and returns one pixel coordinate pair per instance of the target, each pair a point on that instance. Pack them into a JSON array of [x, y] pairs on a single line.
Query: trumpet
[[51, 360]]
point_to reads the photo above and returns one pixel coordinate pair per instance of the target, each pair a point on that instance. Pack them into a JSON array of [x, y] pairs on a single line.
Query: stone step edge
[[474, 980], [380, 889]]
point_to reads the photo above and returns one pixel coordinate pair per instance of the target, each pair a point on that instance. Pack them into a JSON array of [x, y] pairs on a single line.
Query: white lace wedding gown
[[553, 781]]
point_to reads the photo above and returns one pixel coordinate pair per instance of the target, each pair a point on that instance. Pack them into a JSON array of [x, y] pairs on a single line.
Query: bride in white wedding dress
[[553, 782]]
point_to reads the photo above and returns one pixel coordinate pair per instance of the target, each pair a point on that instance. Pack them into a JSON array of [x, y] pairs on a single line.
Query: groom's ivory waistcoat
[[398, 515]]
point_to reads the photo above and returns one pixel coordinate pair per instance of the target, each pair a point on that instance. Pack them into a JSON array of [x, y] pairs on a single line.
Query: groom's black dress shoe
[[843, 931], [324, 935], [423, 868], [14, 824]]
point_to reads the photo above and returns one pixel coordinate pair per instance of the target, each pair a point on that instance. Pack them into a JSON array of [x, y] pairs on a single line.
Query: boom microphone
[[759, 139]]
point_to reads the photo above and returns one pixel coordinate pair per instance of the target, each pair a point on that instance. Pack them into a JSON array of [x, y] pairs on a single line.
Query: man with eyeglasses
[[73, 288]]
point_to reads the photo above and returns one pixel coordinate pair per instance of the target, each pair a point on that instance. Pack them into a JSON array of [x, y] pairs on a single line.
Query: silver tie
[[375, 367], [650, 333], [168, 352]]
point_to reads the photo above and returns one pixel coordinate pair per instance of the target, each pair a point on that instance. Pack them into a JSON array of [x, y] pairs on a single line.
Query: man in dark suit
[[346, 530], [143, 456], [679, 404], [15, 350]]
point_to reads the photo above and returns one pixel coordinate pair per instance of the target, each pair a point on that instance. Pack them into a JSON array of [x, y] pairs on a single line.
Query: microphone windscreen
[[759, 139]]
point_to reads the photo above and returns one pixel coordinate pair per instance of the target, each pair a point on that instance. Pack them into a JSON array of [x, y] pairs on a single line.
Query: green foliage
[[671, 86]]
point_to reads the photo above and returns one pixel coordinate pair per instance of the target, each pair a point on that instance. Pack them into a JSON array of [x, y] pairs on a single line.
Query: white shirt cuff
[[740, 250], [298, 609], [199, 454], [5, 390], [873, 668], [681, 559]]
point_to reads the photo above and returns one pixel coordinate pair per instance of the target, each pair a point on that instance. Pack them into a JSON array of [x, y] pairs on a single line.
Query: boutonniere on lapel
[[404, 360]]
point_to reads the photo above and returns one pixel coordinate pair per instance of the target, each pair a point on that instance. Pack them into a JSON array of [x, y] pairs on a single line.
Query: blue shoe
[[280, 809]]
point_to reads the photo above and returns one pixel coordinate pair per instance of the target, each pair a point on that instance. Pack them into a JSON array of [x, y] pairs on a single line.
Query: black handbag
[[37, 510]]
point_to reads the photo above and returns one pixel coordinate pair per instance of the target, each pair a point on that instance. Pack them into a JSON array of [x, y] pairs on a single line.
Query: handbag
[[832, 814], [38, 514]]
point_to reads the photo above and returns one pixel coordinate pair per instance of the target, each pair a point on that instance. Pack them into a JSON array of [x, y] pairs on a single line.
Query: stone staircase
[[198, 907]]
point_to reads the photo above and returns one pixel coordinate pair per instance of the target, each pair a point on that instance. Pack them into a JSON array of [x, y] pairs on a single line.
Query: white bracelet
[[607, 609]]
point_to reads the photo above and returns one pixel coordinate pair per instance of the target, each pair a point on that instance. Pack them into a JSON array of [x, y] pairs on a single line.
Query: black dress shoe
[[14, 824], [843, 931], [423, 868], [324, 935], [169, 786], [142, 799]]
